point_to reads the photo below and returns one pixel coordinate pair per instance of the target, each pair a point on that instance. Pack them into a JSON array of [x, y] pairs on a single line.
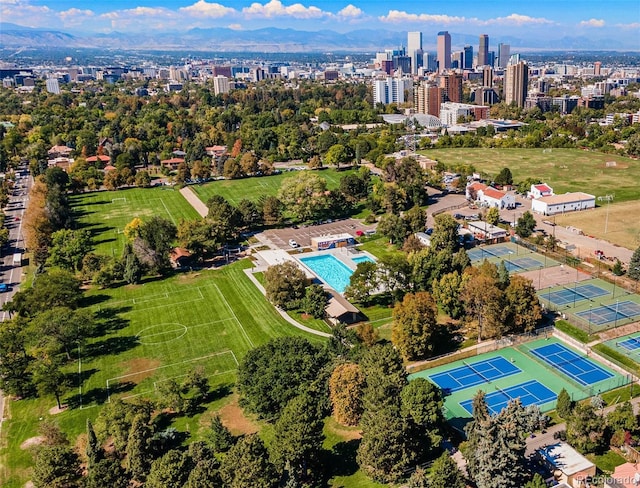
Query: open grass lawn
[[622, 223], [564, 169], [106, 213], [153, 332], [254, 188]]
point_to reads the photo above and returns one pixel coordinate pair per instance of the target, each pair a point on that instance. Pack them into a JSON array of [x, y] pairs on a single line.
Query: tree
[[616, 269], [367, 333], [93, 450], [250, 215], [155, 242], [623, 418], [523, 304], [298, 438], [634, 265], [525, 224], [285, 284], [345, 391], [564, 404], [418, 479], [393, 228], [218, 436], [484, 302], [138, 448], [63, 329], [445, 233], [272, 374], [363, 282], [304, 195], [55, 288], [68, 248], [385, 376], [536, 482], [132, 269], [224, 217], [315, 301], [503, 276], [422, 402], [492, 216], [247, 464], [586, 429], [48, 375], [15, 374], [56, 467], [106, 472], [445, 473], [143, 179], [169, 471], [504, 177], [271, 210], [446, 292], [336, 155], [415, 329]]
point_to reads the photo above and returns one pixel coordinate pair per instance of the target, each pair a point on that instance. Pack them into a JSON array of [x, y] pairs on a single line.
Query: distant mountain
[[269, 40]]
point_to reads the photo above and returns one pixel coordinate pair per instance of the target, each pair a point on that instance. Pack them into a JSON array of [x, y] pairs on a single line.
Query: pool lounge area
[[334, 268]]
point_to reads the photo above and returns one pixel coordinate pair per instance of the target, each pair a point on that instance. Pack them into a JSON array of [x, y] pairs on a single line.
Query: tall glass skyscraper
[[444, 51]]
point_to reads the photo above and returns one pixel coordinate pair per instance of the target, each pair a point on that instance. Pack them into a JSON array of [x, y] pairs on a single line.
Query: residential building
[[624, 476], [389, 90], [574, 469], [540, 190], [490, 197], [485, 96], [220, 84], [483, 50], [451, 111], [427, 99], [568, 202], [516, 83], [487, 76], [451, 84], [444, 51]]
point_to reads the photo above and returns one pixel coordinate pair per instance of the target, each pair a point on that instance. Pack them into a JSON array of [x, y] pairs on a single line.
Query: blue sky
[[555, 19]]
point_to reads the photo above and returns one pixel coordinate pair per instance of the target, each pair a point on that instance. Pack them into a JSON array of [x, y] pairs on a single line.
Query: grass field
[[106, 213], [622, 223], [254, 188], [564, 169], [154, 331]]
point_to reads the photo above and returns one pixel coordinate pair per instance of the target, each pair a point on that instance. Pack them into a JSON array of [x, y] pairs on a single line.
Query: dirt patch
[[345, 433], [624, 330], [55, 410], [233, 418], [31, 442], [29, 484], [139, 369]]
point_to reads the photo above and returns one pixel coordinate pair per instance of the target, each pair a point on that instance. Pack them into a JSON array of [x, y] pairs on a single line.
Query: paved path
[[195, 202], [284, 314]]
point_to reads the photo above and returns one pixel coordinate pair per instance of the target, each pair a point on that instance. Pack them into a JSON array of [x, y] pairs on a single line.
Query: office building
[[487, 76], [429, 62], [467, 60], [504, 51], [483, 50], [53, 86], [402, 63], [597, 67], [450, 112], [414, 50], [220, 84], [516, 83], [444, 51]]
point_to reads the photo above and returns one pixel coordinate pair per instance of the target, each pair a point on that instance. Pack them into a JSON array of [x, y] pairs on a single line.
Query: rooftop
[[565, 458], [577, 196]]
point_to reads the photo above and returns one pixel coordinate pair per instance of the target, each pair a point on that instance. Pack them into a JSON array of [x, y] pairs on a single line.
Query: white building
[[540, 190], [574, 469], [450, 111], [490, 197], [220, 84], [53, 86], [485, 232], [390, 90], [568, 202]]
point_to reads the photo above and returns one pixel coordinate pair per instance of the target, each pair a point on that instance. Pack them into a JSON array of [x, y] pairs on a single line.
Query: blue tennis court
[[480, 253], [630, 344], [521, 264], [579, 368], [472, 374], [530, 393], [575, 294], [611, 313]]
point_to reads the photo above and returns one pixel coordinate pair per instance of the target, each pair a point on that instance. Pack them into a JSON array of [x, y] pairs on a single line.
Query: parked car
[[3, 287], [293, 243]]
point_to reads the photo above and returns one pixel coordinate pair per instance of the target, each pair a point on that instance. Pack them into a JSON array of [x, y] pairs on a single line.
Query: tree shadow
[[342, 458], [98, 395], [88, 301], [109, 346], [108, 320]]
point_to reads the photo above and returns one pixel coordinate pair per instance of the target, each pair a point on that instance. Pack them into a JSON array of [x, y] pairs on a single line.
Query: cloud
[[75, 16], [21, 12], [235, 27], [205, 9], [517, 19], [275, 8], [634, 25], [350, 11], [592, 23], [398, 16]]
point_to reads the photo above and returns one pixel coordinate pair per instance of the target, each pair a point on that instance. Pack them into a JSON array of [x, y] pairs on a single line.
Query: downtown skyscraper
[[414, 50], [483, 50], [444, 51]]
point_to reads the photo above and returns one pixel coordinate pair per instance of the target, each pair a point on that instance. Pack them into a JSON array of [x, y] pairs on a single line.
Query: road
[[9, 273]]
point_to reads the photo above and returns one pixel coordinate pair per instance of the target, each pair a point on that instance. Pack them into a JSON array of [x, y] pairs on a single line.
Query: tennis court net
[[633, 343], [515, 265], [616, 310], [580, 294], [476, 372]]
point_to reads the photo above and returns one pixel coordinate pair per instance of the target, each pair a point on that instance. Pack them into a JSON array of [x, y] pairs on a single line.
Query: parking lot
[[279, 238]]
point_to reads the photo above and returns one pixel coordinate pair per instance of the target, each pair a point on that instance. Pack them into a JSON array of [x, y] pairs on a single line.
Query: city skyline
[[619, 20]]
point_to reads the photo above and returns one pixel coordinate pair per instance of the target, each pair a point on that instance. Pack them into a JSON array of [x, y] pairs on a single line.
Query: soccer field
[[254, 188], [106, 213], [564, 169]]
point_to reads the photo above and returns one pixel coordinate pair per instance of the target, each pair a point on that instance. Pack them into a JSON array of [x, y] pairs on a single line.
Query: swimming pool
[[362, 259], [331, 270]]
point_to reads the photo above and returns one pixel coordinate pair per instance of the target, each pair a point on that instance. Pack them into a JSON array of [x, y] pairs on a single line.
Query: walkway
[[194, 200], [283, 313]]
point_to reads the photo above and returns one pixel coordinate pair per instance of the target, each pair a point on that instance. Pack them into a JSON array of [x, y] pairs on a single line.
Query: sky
[[553, 18]]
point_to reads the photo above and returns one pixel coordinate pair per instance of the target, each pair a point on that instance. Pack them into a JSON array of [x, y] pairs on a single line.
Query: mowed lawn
[[564, 169], [153, 332], [255, 188], [105, 213]]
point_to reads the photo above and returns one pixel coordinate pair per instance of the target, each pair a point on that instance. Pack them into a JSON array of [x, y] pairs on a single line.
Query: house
[[216, 151], [179, 257], [472, 190], [340, 310], [567, 464], [624, 476], [59, 152], [484, 232], [102, 158], [540, 190], [568, 202], [172, 163], [424, 239], [490, 197]]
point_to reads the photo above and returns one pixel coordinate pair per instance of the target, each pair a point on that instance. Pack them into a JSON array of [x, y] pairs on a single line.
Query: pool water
[[362, 259], [331, 270]]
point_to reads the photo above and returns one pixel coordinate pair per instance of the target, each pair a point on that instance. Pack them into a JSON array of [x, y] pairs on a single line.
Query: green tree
[[418, 479], [106, 472], [445, 473], [169, 471], [623, 418], [393, 228], [56, 467], [304, 195], [336, 155], [63, 329], [525, 224], [132, 269], [415, 219], [564, 404], [504, 177], [155, 242], [48, 375], [315, 301], [503, 276], [586, 430], [536, 482], [15, 375], [522, 304], [363, 282], [422, 402], [385, 376], [285, 284], [492, 216], [218, 436], [55, 288], [93, 450], [298, 438], [445, 233], [415, 329], [634, 265], [272, 209], [446, 292], [68, 248], [272, 374], [138, 448], [247, 464], [345, 391]]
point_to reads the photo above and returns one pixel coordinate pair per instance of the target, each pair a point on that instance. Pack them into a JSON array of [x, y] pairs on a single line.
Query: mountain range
[[271, 40]]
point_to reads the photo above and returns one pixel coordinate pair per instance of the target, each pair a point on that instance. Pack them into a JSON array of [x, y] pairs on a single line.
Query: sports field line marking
[[170, 216], [155, 296], [186, 361], [164, 332], [224, 299]]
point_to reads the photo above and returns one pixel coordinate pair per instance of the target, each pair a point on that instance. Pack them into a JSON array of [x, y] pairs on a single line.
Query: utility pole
[[608, 199]]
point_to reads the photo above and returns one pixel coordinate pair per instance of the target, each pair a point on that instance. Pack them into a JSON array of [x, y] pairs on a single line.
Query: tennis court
[[472, 374], [578, 368], [630, 344], [530, 393], [522, 264], [565, 296], [605, 314], [480, 253]]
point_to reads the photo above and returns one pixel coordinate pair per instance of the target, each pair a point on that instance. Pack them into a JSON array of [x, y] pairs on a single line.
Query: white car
[[293, 243]]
